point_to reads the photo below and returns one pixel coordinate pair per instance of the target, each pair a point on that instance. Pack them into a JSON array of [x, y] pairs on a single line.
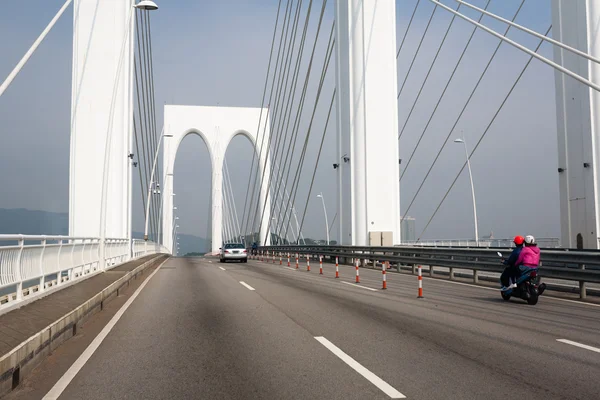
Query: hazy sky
[[216, 52]]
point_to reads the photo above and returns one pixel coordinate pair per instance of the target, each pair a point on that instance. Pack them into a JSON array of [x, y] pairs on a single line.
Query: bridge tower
[[216, 126], [577, 23], [101, 118], [367, 120]]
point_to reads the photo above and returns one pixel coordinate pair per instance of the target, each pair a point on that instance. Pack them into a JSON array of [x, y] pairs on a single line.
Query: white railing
[[542, 242], [29, 265]]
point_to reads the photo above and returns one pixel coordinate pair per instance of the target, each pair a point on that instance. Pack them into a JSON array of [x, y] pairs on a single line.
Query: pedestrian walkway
[[19, 325]]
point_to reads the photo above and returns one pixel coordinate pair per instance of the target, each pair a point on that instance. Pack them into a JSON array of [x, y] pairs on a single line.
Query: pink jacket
[[530, 256]]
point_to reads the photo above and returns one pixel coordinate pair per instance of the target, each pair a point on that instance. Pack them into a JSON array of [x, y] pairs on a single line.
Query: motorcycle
[[528, 287]]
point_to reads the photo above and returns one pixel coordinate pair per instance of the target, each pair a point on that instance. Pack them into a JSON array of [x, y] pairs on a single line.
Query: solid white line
[[64, 381], [222, 269], [489, 288], [360, 286], [583, 346], [246, 285], [293, 269], [368, 375]]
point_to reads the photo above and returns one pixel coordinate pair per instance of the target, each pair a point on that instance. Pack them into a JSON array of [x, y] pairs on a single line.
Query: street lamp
[[462, 140], [162, 135], [146, 5], [325, 212]]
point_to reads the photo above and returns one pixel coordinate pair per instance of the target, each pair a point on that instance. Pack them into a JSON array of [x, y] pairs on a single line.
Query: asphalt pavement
[[201, 329]]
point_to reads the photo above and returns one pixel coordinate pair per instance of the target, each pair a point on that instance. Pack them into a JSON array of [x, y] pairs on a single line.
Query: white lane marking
[[293, 269], [583, 346], [64, 381], [360, 286], [368, 375], [210, 262], [222, 269], [488, 288], [246, 285]]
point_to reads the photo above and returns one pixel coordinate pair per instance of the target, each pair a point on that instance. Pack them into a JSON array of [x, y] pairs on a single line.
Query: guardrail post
[[582, 286], [42, 277], [476, 273], [71, 272], [59, 276], [431, 271], [18, 277]]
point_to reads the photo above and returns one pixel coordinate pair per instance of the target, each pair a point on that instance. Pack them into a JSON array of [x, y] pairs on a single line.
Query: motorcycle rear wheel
[[505, 296], [532, 300]]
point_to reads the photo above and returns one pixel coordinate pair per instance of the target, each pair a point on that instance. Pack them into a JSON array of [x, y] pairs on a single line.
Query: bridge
[[367, 309]]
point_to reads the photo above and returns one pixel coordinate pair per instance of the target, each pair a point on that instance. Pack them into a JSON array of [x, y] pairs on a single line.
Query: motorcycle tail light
[[533, 274]]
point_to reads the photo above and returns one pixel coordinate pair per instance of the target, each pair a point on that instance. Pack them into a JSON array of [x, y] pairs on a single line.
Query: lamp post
[[162, 135], [325, 212], [462, 140]]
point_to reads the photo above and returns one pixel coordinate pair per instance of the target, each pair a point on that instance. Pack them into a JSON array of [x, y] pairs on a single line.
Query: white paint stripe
[[368, 375], [582, 303], [64, 381], [246, 285], [293, 269], [222, 269], [360, 286], [583, 346]]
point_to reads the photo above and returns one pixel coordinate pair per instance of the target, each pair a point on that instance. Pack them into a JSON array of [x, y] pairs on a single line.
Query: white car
[[233, 251]]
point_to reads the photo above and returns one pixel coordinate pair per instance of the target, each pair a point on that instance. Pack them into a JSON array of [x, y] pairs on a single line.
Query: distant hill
[[32, 222]]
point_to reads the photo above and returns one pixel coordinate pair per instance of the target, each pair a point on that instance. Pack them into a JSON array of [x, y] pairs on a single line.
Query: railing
[[547, 243], [564, 264], [29, 265]]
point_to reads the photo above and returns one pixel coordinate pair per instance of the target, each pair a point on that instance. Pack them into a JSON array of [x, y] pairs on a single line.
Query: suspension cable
[[485, 132], [262, 103], [430, 69], [457, 119], [287, 117], [417, 52], [262, 137], [303, 97], [407, 28], [312, 181], [296, 181]]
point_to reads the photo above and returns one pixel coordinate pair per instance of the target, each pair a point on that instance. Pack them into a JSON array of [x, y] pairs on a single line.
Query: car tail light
[[245, 251], [227, 252]]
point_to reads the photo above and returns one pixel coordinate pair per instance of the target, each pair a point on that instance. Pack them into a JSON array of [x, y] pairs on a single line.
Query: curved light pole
[[462, 140], [162, 135], [325, 212]]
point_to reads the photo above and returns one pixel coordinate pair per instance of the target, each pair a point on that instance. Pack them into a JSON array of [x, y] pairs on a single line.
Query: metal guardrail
[[542, 242], [35, 263], [564, 264]]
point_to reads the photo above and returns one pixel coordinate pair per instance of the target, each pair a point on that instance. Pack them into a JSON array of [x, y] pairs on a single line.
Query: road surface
[[201, 329]]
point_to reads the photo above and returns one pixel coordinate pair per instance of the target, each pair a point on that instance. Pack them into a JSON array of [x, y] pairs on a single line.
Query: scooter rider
[[529, 258], [511, 265]]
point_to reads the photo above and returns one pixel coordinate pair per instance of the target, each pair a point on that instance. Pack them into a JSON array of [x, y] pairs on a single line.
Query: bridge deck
[[18, 325], [201, 329]]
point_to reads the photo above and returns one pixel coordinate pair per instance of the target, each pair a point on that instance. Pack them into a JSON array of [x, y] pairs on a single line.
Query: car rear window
[[234, 246]]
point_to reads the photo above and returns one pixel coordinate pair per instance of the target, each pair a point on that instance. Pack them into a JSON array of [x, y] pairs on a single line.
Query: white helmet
[[529, 239]]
